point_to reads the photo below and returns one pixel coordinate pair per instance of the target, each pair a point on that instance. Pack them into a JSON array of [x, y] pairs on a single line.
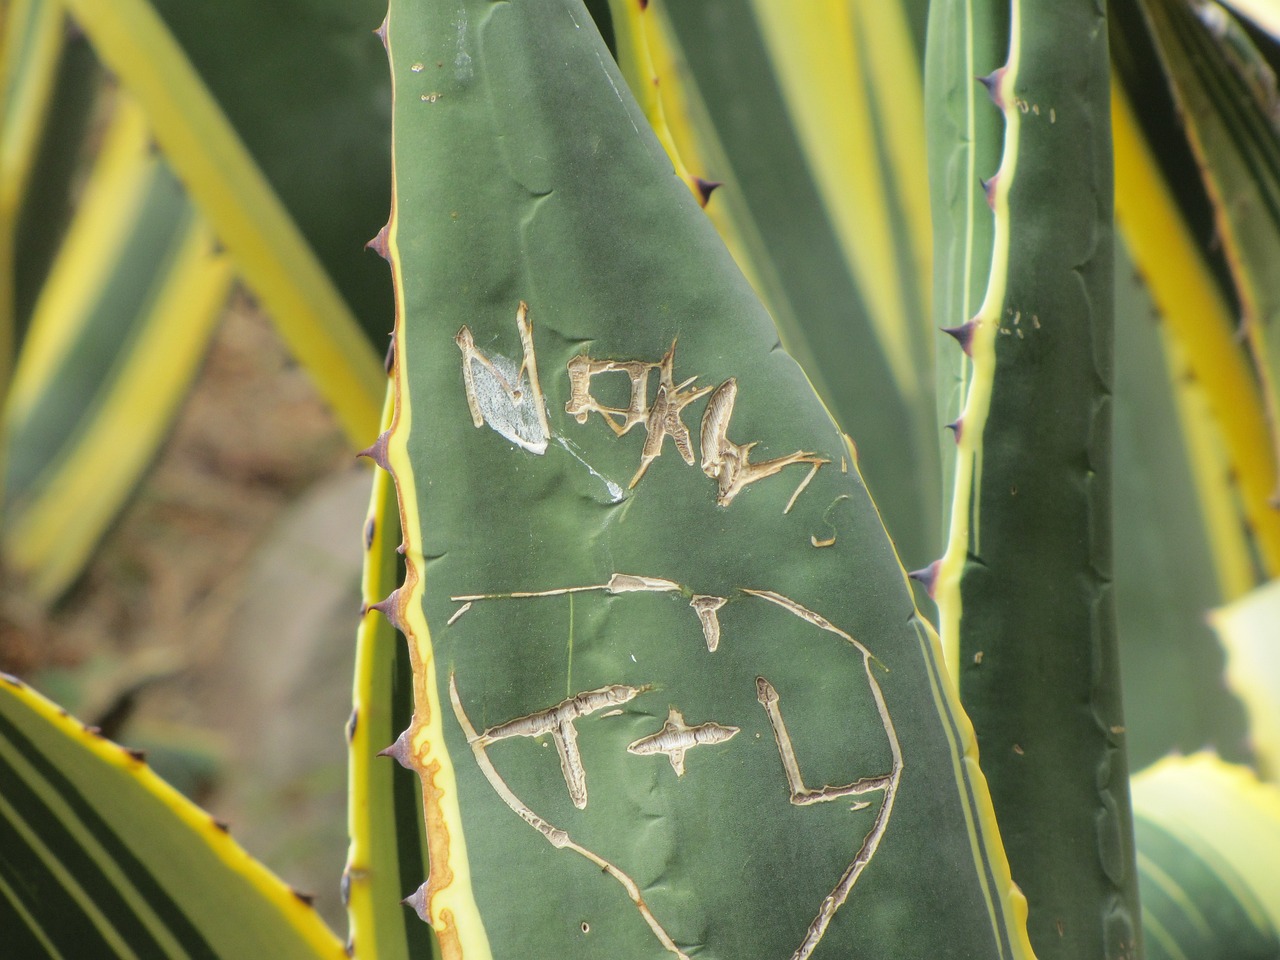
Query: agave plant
[[665, 687]]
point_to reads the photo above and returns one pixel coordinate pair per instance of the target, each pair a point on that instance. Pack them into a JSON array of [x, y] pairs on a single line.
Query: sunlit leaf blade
[[305, 86], [1180, 543], [1208, 843], [46, 202], [1248, 630], [1197, 313], [964, 137], [1229, 111], [245, 213], [31, 35], [387, 857], [115, 339], [101, 858], [810, 118], [1024, 589], [747, 748]]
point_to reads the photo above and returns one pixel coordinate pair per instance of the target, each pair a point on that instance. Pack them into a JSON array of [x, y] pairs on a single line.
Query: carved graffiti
[[676, 737]]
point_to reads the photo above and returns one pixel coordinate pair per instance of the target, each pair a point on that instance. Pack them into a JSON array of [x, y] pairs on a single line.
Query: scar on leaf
[[506, 397], [729, 463], [676, 738], [707, 607], [554, 835], [558, 722], [722, 460]]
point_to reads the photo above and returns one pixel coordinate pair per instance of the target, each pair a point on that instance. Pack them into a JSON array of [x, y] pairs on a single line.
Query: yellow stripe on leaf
[[54, 536], [1187, 296], [818, 61], [248, 217]]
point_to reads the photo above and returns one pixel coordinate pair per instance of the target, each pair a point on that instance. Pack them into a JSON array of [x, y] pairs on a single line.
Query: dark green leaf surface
[[305, 86], [525, 173], [103, 859], [1024, 590], [1163, 557], [790, 236]]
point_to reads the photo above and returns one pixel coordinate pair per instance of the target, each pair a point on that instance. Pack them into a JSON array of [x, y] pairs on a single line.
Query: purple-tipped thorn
[[399, 751], [382, 31], [962, 335], [706, 188], [307, 898], [956, 426], [390, 608], [377, 451], [927, 576], [989, 188], [992, 83], [418, 900], [379, 244]]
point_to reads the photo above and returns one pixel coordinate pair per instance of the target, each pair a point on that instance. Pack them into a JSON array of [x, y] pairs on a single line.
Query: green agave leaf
[[1024, 588], [388, 854], [1226, 98], [1247, 628], [1177, 522], [670, 698], [248, 216], [304, 84], [115, 339], [1208, 842], [30, 45], [810, 119], [1167, 223], [45, 203], [103, 859]]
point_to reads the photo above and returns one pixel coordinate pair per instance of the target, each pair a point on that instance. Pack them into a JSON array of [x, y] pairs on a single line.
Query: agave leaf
[[822, 204], [45, 203], [1180, 545], [30, 43], [1227, 101], [1024, 588], [1209, 839], [657, 712], [1247, 628], [304, 84], [104, 859], [248, 216], [388, 855], [123, 320]]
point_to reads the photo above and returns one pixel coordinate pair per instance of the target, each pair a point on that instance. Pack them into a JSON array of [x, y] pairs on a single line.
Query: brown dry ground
[[219, 613]]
